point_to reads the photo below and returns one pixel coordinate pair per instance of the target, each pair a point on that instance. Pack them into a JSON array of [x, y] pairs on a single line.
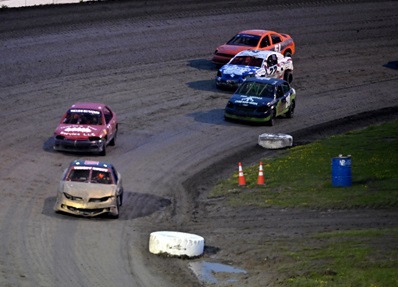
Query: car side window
[[265, 42], [275, 39], [272, 60], [108, 115]]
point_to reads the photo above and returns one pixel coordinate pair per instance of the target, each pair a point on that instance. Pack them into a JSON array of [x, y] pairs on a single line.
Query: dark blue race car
[[261, 100]]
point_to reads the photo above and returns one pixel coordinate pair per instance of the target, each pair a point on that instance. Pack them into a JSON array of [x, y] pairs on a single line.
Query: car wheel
[[290, 112], [288, 54], [288, 76], [118, 204], [113, 141], [271, 121], [115, 216], [121, 199], [103, 152]]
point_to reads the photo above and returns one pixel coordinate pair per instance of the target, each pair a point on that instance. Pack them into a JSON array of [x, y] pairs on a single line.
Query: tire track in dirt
[[172, 128]]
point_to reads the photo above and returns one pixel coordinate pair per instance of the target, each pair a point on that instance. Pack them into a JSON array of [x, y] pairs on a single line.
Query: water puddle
[[212, 273]]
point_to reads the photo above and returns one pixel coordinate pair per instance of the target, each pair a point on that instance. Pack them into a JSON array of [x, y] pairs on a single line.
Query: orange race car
[[254, 40]]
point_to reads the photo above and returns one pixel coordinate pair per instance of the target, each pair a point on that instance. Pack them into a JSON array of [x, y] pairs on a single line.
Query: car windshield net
[[83, 117], [244, 40], [247, 60], [256, 89], [101, 177]]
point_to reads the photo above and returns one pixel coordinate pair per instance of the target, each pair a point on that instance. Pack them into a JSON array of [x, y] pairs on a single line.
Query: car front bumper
[[84, 208], [248, 117], [78, 145]]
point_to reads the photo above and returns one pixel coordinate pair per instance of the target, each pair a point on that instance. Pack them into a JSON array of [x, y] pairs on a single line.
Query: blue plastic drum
[[341, 171]]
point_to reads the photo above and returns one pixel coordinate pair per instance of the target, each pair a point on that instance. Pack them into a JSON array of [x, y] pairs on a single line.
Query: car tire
[[115, 216], [271, 121], [118, 204], [288, 76], [121, 198], [288, 54], [113, 141], [290, 112], [103, 152]]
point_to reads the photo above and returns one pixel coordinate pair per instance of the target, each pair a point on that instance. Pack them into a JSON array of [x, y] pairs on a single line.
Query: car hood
[[78, 131], [251, 100], [88, 190], [238, 70]]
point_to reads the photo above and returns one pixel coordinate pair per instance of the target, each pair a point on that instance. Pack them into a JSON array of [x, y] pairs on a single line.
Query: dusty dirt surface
[[150, 61]]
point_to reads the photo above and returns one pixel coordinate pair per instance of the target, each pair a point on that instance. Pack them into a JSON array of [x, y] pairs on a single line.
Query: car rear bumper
[[78, 145]]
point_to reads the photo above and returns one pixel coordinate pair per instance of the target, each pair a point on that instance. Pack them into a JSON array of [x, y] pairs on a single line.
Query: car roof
[[91, 163], [88, 105], [272, 81], [257, 32], [256, 53]]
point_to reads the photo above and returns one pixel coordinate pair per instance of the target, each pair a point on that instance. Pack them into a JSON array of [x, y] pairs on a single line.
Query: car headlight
[[92, 139], [71, 197]]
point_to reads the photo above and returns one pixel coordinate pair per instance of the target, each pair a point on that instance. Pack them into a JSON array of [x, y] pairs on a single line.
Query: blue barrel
[[341, 171]]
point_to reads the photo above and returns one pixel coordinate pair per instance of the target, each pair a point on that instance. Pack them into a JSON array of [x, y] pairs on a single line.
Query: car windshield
[[244, 40], [247, 60], [90, 174], [99, 176], [79, 175], [256, 89], [83, 117]]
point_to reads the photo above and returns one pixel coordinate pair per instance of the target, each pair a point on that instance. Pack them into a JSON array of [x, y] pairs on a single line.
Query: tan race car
[[90, 188]]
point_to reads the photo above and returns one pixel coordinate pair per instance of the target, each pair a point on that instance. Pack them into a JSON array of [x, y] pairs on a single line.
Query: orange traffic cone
[[242, 180], [260, 179]]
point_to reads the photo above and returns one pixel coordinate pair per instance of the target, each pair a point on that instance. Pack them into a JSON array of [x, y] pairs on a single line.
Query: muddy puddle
[[216, 273]]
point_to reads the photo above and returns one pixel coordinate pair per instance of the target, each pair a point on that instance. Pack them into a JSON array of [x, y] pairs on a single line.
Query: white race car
[[254, 63]]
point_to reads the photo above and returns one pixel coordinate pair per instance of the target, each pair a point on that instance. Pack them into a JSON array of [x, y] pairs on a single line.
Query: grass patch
[[345, 258], [301, 177]]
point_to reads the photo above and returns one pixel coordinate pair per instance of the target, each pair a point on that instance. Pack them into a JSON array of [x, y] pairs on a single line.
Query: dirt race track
[[150, 61]]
